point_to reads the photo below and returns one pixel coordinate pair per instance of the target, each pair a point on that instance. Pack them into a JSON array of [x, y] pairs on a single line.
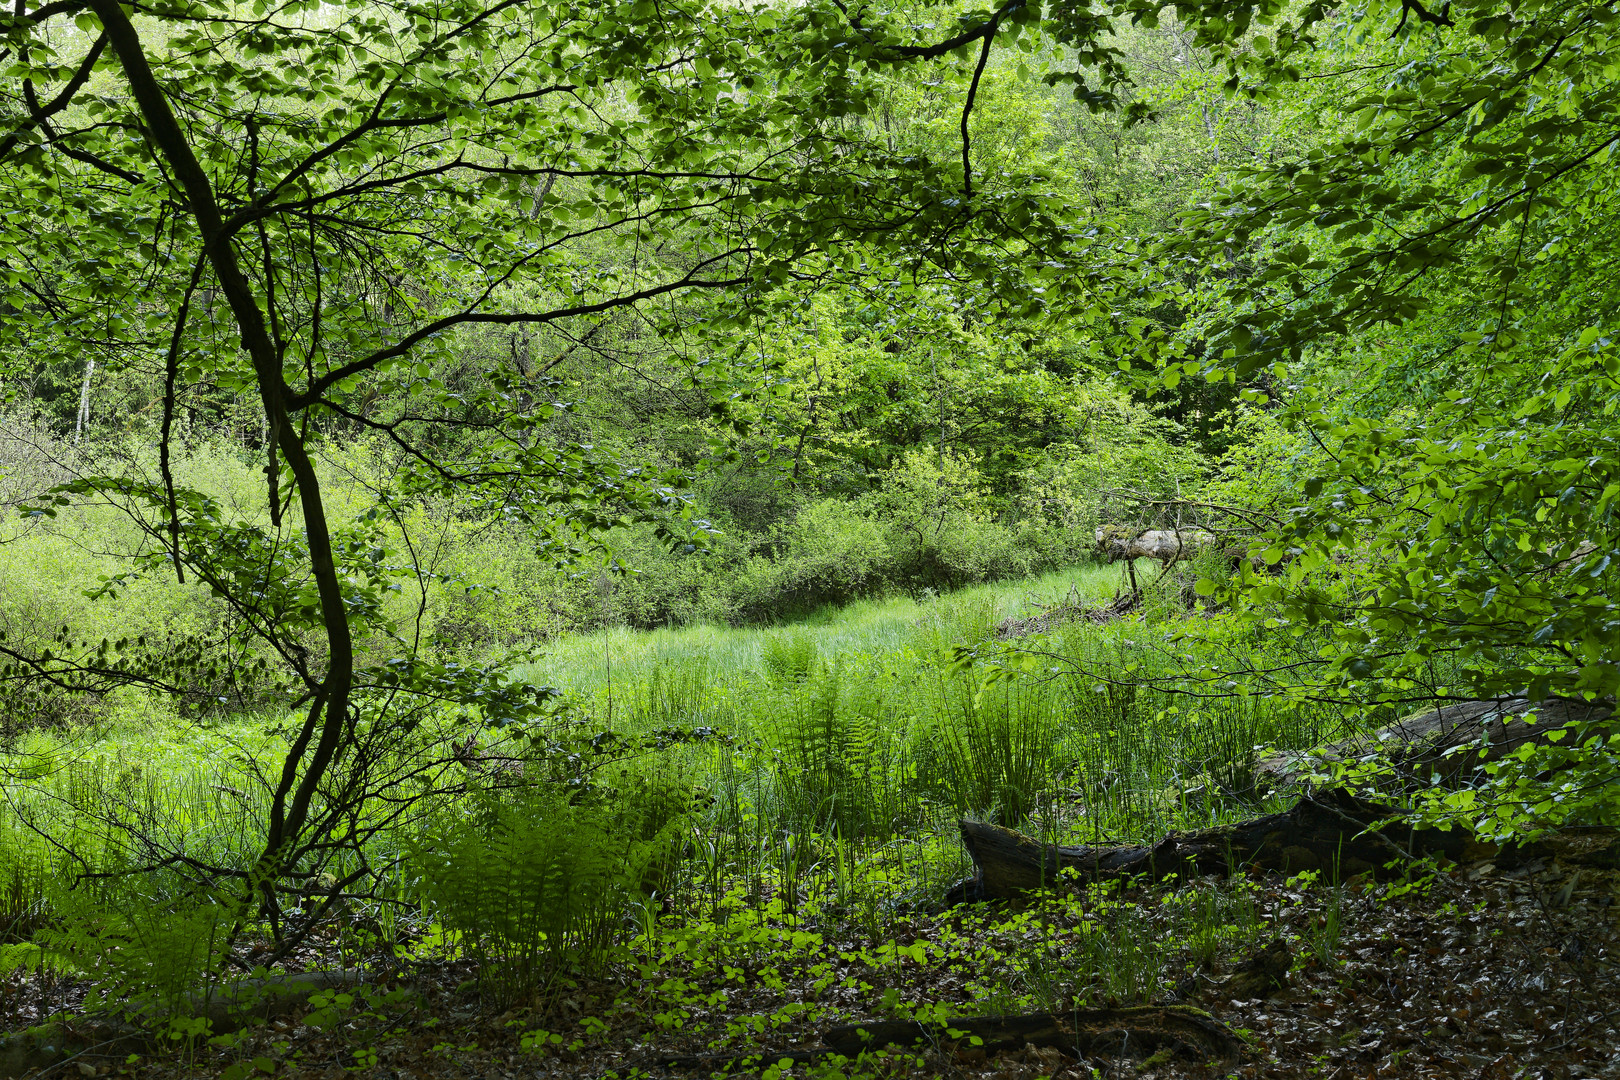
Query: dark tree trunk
[[325, 726]]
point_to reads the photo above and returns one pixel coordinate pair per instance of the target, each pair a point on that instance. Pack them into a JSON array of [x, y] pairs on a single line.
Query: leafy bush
[[1120, 453], [963, 551], [32, 458], [63, 594], [490, 591], [830, 552]]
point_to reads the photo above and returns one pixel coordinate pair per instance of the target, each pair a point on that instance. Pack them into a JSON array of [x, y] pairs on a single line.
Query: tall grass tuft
[[997, 748], [674, 693], [847, 770]]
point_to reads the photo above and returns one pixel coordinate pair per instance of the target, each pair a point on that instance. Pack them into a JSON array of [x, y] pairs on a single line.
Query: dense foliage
[[355, 353]]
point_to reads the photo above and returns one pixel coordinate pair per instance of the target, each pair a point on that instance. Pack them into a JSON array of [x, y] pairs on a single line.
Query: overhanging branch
[[470, 317]]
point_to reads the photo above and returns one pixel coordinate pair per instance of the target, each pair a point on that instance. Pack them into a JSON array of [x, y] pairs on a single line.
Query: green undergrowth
[[1084, 948], [742, 976], [807, 776], [873, 722], [773, 974]]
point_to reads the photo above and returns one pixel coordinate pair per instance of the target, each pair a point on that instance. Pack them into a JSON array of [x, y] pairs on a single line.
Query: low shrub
[[830, 552]]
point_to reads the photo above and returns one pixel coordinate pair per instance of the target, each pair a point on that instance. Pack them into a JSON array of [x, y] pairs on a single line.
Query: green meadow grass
[[589, 665]]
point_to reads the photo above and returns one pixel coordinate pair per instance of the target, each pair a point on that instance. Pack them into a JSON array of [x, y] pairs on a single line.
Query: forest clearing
[[696, 538]]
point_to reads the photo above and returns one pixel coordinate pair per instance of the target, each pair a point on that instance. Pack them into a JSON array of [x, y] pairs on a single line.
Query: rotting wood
[[1069, 610], [1330, 830], [1119, 1032], [1263, 973], [1326, 831]]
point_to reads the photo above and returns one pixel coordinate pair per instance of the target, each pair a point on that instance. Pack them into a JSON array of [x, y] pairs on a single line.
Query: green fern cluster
[[146, 955], [789, 658], [537, 883], [847, 766]]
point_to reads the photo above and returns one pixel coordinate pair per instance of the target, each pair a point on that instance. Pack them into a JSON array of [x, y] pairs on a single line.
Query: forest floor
[[1472, 975]]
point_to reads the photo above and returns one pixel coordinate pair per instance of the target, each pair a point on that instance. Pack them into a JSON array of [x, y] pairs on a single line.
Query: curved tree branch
[[967, 108], [61, 101]]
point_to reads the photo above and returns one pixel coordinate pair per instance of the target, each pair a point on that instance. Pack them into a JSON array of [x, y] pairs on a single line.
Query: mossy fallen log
[[1449, 742], [1329, 831]]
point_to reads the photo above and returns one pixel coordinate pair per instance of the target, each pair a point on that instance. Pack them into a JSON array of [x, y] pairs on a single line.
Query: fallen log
[[1326, 831], [1113, 1032], [1329, 831], [1449, 742], [1177, 1030]]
